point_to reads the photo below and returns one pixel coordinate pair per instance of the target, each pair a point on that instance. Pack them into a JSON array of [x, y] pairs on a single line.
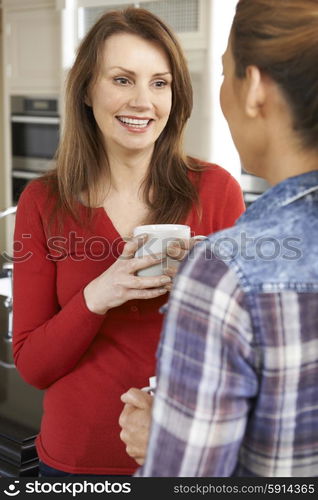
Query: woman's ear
[[255, 91], [87, 100]]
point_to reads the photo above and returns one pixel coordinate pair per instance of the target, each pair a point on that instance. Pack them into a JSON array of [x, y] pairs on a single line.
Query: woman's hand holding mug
[[178, 250], [119, 283], [174, 240], [135, 421]]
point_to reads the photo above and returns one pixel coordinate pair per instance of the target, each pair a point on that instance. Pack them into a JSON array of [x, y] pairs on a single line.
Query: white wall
[[194, 139], [207, 133], [223, 150]]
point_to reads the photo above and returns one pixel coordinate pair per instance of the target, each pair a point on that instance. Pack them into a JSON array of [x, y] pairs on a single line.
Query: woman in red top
[[86, 327]]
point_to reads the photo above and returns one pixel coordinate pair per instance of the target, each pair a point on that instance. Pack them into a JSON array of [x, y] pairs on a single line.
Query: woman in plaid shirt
[[237, 371]]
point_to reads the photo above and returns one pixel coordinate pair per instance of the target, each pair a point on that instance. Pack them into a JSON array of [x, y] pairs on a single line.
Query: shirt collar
[[286, 192]]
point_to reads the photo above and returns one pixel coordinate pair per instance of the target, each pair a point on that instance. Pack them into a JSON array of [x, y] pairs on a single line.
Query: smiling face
[[132, 95]]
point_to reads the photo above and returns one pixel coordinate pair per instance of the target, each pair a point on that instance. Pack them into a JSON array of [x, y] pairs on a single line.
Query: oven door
[[34, 141], [20, 178]]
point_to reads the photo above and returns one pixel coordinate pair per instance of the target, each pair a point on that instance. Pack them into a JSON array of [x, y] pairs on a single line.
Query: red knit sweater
[[85, 361]]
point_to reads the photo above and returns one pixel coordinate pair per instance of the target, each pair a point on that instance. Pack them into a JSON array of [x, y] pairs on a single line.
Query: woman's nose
[[141, 97]]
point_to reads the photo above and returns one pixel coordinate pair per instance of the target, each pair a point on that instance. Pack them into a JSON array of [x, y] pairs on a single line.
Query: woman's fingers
[[149, 281], [140, 461], [132, 246], [179, 248], [134, 421], [171, 271], [137, 398], [146, 293], [139, 263]]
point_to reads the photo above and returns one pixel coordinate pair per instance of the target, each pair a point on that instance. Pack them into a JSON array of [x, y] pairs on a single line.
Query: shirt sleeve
[[48, 341], [206, 374], [233, 204]]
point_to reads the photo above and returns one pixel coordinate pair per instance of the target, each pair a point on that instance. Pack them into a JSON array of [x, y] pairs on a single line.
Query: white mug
[[151, 388], [159, 237]]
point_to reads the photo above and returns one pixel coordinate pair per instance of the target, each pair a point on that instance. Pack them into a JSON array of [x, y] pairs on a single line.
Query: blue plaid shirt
[[237, 366]]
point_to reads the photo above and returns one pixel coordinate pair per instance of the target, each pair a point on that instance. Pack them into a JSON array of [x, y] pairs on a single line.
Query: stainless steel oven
[[35, 129]]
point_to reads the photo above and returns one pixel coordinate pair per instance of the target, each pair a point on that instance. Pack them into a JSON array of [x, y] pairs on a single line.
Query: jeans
[[47, 471]]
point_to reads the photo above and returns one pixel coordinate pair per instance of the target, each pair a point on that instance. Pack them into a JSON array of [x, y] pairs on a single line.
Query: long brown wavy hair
[[280, 37], [81, 159]]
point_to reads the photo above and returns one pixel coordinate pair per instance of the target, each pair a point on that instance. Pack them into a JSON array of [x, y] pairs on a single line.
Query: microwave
[[35, 131]]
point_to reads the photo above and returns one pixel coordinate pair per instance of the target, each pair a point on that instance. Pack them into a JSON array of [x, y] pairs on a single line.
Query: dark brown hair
[[280, 37], [81, 158]]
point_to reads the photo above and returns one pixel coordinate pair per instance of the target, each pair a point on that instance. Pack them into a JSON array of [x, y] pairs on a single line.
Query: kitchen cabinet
[[32, 47], [187, 18], [32, 66]]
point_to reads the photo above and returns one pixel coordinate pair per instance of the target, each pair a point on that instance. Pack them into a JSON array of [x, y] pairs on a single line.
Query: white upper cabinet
[[32, 40], [187, 18]]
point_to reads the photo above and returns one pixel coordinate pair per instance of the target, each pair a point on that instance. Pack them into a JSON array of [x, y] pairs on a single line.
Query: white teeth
[[134, 121]]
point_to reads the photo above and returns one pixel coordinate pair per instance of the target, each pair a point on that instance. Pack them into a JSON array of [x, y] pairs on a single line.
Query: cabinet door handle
[[46, 120]]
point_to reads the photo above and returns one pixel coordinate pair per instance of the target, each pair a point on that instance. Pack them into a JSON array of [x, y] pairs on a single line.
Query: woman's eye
[[121, 80], [160, 84]]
